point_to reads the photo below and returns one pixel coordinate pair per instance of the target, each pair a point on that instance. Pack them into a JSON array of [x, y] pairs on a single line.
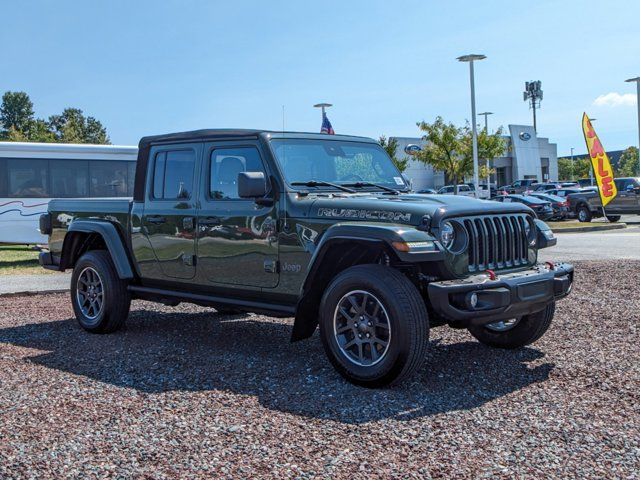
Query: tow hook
[[492, 274], [551, 265]]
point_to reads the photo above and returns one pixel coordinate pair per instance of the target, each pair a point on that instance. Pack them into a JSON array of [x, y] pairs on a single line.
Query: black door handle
[[209, 221], [156, 219]]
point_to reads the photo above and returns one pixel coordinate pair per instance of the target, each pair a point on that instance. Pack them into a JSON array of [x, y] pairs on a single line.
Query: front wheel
[[613, 218], [99, 297], [515, 332], [584, 214], [374, 325]]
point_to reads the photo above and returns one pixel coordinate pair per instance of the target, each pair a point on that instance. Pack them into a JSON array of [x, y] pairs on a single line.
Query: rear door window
[[173, 174]]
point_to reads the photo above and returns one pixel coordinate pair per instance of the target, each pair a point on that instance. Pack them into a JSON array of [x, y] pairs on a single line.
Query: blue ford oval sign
[[412, 149], [525, 136]]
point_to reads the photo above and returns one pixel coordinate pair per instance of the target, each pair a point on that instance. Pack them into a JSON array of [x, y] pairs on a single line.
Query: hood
[[404, 208]]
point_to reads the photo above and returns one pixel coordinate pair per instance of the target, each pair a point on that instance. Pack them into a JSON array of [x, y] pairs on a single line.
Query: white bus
[[31, 174]]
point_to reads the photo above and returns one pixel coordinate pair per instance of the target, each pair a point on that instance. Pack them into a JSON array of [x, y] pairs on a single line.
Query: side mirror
[[251, 185]]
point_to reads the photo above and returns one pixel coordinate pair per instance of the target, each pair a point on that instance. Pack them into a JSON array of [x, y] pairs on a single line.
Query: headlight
[[531, 233], [447, 235]]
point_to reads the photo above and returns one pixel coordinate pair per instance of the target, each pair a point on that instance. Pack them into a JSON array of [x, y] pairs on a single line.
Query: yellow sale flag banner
[[600, 163]]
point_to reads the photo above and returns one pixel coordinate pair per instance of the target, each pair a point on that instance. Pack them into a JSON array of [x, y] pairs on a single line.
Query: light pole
[[474, 138], [572, 173], [323, 106], [637, 80], [486, 123]]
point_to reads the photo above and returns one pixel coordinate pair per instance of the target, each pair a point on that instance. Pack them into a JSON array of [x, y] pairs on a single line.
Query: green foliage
[[450, 149], [391, 146], [18, 124], [629, 163], [567, 171], [16, 112]]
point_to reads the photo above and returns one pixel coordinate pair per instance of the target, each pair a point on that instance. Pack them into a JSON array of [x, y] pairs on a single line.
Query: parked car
[[430, 191], [586, 204], [485, 191], [463, 189], [586, 182], [560, 205], [521, 186], [542, 187], [374, 272], [564, 192], [542, 208]]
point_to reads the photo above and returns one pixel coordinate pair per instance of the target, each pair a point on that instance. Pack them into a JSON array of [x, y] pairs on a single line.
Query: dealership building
[[526, 156]]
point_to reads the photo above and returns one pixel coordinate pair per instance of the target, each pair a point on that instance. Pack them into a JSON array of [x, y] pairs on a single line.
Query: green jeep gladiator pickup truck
[[318, 227]]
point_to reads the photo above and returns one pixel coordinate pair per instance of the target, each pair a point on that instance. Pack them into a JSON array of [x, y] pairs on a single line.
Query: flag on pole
[[600, 163], [326, 125]]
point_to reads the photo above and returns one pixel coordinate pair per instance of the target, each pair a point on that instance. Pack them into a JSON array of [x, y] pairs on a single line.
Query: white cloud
[[615, 99]]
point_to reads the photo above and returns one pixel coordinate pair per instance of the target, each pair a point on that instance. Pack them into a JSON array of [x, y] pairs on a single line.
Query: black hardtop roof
[[230, 133]]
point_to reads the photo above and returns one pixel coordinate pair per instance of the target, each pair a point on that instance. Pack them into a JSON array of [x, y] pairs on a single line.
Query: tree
[[490, 146], [450, 149], [568, 170], [442, 150], [16, 112], [629, 164], [391, 147], [72, 127]]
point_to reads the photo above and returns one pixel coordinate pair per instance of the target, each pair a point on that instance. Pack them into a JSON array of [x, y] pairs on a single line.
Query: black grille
[[496, 241]]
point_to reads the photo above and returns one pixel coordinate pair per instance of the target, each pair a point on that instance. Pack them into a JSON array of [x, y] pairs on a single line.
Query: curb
[[28, 293], [591, 228]]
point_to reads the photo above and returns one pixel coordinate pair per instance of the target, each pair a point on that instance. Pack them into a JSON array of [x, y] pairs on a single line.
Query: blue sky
[[145, 67]]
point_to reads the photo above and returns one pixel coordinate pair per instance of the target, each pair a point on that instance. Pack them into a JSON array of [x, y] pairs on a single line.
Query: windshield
[[335, 161]]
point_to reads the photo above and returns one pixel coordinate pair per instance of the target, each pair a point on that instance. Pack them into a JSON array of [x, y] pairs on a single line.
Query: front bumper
[[509, 295]]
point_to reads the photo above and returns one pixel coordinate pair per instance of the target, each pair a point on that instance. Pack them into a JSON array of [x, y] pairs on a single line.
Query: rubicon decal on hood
[[364, 214]]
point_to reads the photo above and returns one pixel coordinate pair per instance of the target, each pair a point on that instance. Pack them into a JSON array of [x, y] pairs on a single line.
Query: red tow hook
[[550, 265], [492, 274]]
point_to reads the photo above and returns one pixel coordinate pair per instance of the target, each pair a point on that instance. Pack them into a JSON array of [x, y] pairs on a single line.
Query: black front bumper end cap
[[46, 260], [510, 295]]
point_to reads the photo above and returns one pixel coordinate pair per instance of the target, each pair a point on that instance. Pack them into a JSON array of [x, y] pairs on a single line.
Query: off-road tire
[[584, 214], [529, 329], [407, 316], [116, 300], [613, 218]]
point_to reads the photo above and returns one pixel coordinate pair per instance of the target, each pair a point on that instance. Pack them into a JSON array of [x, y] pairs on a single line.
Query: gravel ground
[[187, 393]]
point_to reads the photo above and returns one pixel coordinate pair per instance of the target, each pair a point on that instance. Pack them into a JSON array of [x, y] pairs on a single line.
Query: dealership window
[[69, 178], [27, 178], [226, 164], [173, 174]]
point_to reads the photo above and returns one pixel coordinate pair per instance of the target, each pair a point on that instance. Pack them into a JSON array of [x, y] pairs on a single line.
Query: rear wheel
[[584, 214], [515, 332], [99, 297], [374, 325]]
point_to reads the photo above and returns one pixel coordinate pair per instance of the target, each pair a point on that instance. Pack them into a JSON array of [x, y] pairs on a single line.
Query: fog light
[[473, 300]]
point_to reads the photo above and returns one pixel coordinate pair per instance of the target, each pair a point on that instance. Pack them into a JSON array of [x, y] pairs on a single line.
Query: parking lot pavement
[[34, 283], [613, 244], [185, 392]]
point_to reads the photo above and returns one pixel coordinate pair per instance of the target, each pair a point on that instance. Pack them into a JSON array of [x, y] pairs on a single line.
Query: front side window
[[226, 164], [27, 178], [336, 161], [173, 175]]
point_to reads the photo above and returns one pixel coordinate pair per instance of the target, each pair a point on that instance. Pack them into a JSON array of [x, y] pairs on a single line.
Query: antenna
[[282, 118]]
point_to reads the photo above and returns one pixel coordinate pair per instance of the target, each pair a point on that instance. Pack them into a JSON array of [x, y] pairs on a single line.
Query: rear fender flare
[[113, 241]]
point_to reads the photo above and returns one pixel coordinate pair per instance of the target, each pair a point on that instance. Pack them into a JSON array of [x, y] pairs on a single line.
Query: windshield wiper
[[322, 183], [369, 184]]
